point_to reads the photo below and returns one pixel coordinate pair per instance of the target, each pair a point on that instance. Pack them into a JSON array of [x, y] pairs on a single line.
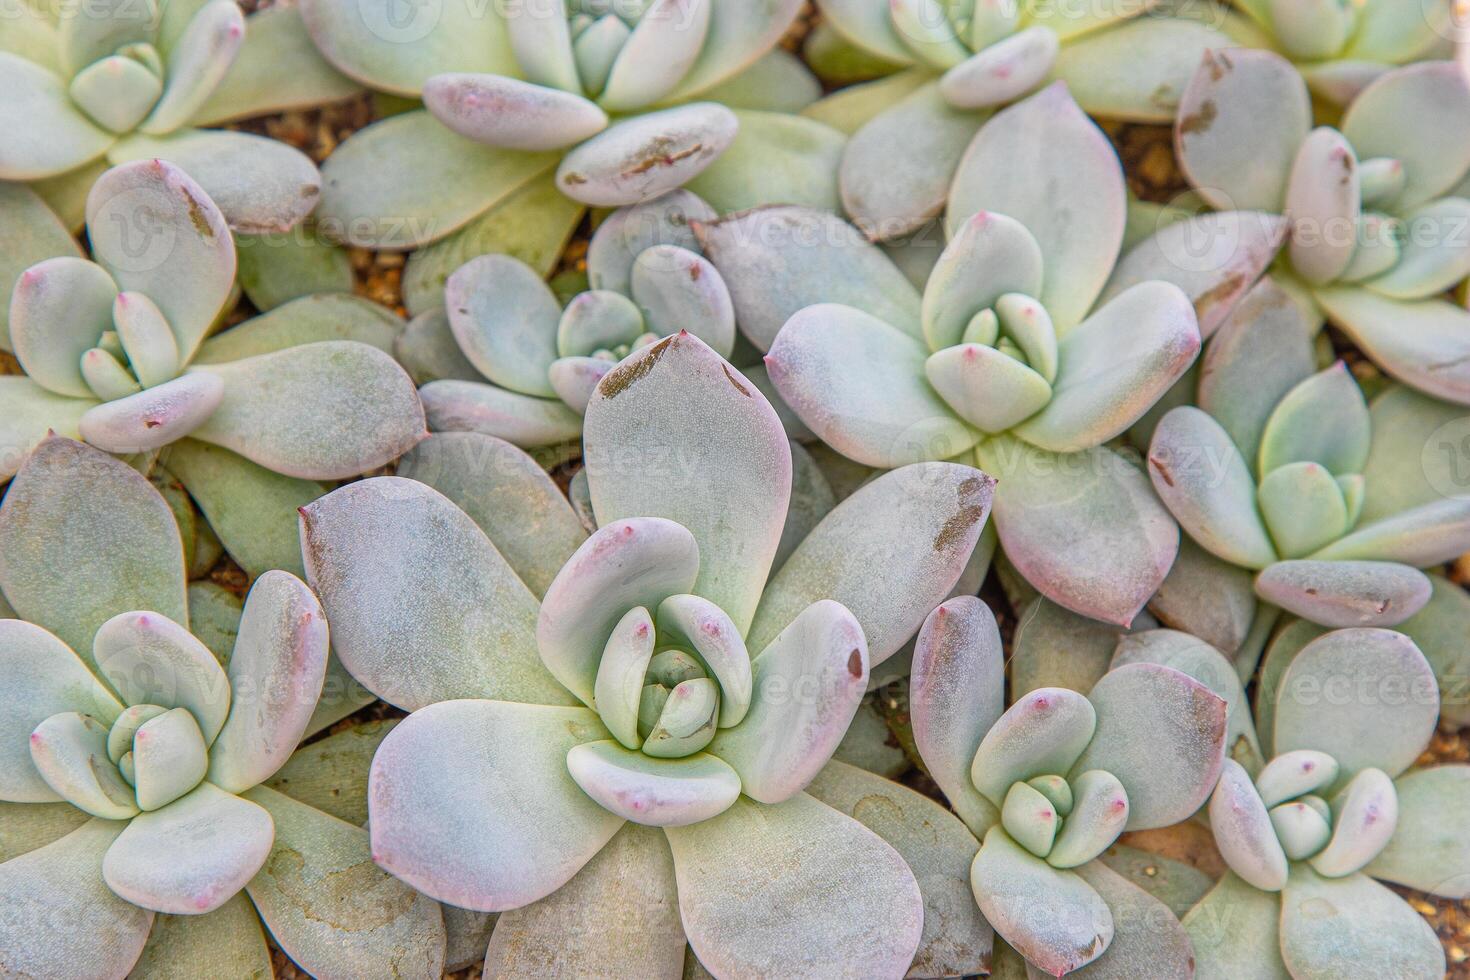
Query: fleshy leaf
[[1209, 598], [639, 158], [1421, 343], [1043, 733], [733, 480], [852, 903], [473, 406], [302, 320], [511, 114], [627, 232], [1235, 932], [536, 828], [1430, 261], [989, 255], [69, 750], [1345, 593], [1380, 123], [374, 551], [1001, 72], [1147, 940], [1244, 832], [32, 233], [49, 135], [505, 319], [227, 941], [673, 792], [1298, 429], [150, 659], [1426, 852], [154, 417], [1334, 927], [59, 309]]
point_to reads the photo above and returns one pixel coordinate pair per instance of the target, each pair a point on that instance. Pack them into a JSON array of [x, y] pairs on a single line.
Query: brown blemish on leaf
[[197, 216], [736, 384], [855, 662], [1161, 468], [623, 377], [1201, 121], [954, 529], [658, 159], [573, 179], [1216, 295]]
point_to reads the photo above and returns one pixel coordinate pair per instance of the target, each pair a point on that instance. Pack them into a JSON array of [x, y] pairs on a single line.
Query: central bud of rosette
[[1284, 815], [664, 669], [995, 348]]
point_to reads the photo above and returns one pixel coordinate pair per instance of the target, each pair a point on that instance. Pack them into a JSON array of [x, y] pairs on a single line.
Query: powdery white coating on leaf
[[154, 417], [505, 320], [618, 917], [1386, 119], [42, 678], [1041, 734], [938, 850], [60, 883], [655, 792], [806, 687], [1345, 593], [816, 894], [276, 672], [169, 758], [58, 310], [1235, 932], [1169, 773], [641, 157], [422, 606], [150, 659], [1244, 832], [676, 432], [473, 406], [69, 750], [989, 255], [49, 133], [471, 803], [1428, 851], [957, 692], [509, 113], [889, 552], [1335, 927], [1206, 597], [664, 44], [191, 856], [700, 626]]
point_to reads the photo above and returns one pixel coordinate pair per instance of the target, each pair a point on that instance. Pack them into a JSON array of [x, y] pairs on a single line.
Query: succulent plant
[[1340, 48], [1345, 716], [118, 82], [1286, 471], [597, 91], [1050, 783], [1004, 358], [115, 350], [1375, 210], [133, 760], [1121, 60], [627, 693]]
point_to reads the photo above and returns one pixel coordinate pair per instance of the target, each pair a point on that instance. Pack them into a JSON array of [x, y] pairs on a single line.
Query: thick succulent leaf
[[1381, 123], [825, 359], [775, 157], [896, 170], [938, 850], [986, 387], [784, 741], [532, 224], [1083, 528], [1003, 71], [330, 908], [1048, 166], [534, 828], [319, 411], [1426, 851], [1323, 200], [988, 256], [1235, 932], [1147, 940], [956, 694], [655, 792], [510, 114], [30, 414], [628, 232], [30, 233], [1388, 33], [1138, 70], [1096, 818], [778, 260], [702, 628], [1421, 343], [1436, 630], [1170, 773], [198, 57], [733, 479], [1053, 918], [1214, 257], [185, 259], [1385, 720], [618, 916], [150, 659], [1207, 486], [1426, 535], [169, 758], [276, 670], [69, 750], [1298, 428], [1332, 927], [372, 43], [777, 81], [1244, 832], [1240, 123], [473, 406], [378, 553], [1114, 365], [60, 308], [738, 35], [216, 842], [366, 200], [676, 288], [428, 351], [154, 417], [1206, 597], [49, 135], [642, 157], [59, 883], [868, 27], [849, 109], [505, 319], [227, 941], [331, 774], [252, 509], [1261, 351], [890, 553], [304, 320], [1055, 647], [277, 68], [1345, 593], [1430, 261], [817, 893], [1043, 733], [73, 507], [515, 503]]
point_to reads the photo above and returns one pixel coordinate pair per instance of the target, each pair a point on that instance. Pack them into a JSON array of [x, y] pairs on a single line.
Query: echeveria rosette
[[1049, 784], [129, 718], [507, 789], [1272, 475], [113, 349], [1336, 806], [1121, 60], [1374, 208], [1340, 48], [598, 93], [1004, 359], [127, 81]]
